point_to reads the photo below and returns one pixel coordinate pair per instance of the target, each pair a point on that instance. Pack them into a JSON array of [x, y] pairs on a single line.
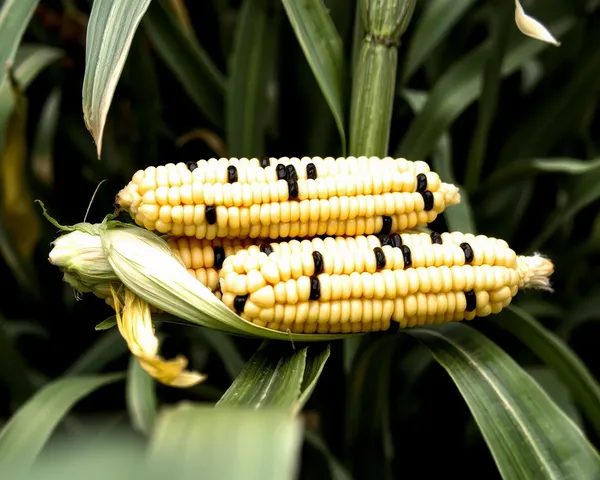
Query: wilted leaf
[[18, 212]]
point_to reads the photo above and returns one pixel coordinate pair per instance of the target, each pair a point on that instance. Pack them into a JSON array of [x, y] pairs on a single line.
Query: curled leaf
[[531, 27]]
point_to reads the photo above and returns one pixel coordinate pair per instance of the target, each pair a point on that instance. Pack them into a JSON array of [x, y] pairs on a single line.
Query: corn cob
[[204, 258], [363, 284], [286, 197]]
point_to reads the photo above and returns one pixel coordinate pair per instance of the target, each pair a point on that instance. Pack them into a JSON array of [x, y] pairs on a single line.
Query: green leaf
[[193, 441], [110, 31], [557, 391], [315, 362], [557, 355], [42, 162], [272, 378], [14, 18], [436, 22], [516, 170], [555, 115], [369, 437], [336, 469], [324, 51], [109, 346], [192, 66], [26, 433], [526, 432], [581, 192], [253, 60], [141, 397], [459, 218], [14, 371], [223, 346], [500, 22], [460, 85]]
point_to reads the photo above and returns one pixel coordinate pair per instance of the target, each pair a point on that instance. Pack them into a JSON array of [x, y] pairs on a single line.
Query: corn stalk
[[383, 22]]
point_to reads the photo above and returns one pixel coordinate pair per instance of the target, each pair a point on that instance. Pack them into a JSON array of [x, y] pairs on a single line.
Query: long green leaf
[[14, 371], [368, 410], [109, 346], [26, 433], [558, 356], [223, 346], [316, 358], [437, 20], [110, 31], [460, 85], [141, 397], [193, 442], [247, 93], [515, 170], [192, 66], [500, 23], [582, 191], [42, 152], [459, 217], [14, 18], [528, 435], [272, 378], [324, 52], [555, 115]]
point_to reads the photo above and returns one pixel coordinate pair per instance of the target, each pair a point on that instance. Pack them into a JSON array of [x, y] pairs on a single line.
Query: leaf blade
[[193, 441], [557, 355], [142, 403], [323, 50], [247, 89], [25, 434], [525, 431], [111, 27]]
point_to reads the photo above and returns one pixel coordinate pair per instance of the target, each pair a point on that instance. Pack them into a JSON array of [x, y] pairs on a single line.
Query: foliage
[[513, 120]]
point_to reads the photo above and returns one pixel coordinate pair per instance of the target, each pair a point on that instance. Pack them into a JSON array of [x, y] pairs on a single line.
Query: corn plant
[[189, 375]]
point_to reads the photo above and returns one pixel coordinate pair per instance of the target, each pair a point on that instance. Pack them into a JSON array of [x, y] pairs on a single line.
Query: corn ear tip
[[536, 270]]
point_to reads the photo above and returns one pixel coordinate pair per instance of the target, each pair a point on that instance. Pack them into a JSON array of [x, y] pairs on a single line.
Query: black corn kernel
[[232, 175], [436, 238], [471, 300], [315, 288], [421, 183], [292, 188], [281, 173], [396, 240], [291, 172], [265, 162], [311, 171], [318, 259], [385, 240], [211, 214], [379, 258], [468, 252], [387, 225], [219, 256], [266, 248], [191, 166], [428, 200], [407, 256], [239, 302]]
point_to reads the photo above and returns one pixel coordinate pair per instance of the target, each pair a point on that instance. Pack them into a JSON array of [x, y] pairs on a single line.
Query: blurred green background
[[387, 409]]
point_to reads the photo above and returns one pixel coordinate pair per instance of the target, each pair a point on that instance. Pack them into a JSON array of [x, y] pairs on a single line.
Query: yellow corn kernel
[[295, 285], [286, 197]]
